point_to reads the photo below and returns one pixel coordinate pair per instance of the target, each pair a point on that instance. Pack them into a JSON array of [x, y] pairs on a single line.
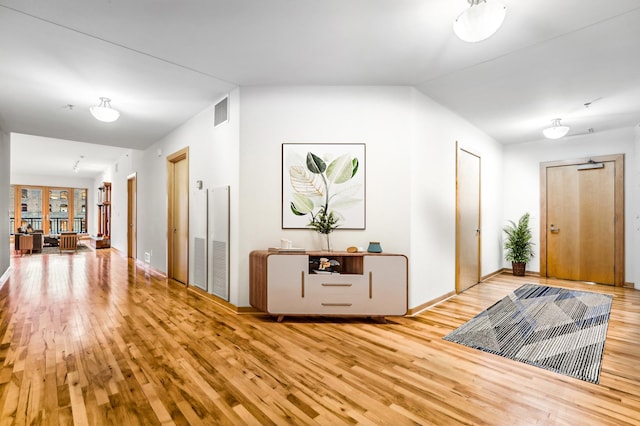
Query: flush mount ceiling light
[[104, 112], [480, 20], [556, 131]]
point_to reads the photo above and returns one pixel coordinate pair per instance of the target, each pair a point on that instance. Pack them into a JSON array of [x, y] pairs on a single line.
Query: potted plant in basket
[[518, 245]]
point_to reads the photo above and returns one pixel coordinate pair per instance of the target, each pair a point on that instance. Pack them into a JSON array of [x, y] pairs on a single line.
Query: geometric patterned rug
[[557, 329]]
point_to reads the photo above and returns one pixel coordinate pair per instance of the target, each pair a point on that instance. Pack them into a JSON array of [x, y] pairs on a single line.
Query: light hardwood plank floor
[[88, 338]]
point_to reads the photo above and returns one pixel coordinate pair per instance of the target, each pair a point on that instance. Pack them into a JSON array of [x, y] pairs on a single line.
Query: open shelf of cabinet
[[358, 284]]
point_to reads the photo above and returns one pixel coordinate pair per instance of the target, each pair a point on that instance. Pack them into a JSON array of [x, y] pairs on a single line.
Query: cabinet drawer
[[337, 294], [337, 305], [320, 285]]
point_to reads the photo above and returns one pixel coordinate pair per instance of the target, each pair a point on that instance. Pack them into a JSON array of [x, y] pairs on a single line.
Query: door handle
[[553, 228]]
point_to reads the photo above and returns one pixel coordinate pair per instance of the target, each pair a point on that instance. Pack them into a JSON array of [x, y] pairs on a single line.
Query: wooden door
[[467, 220], [582, 225], [178, 215], [132, 209]]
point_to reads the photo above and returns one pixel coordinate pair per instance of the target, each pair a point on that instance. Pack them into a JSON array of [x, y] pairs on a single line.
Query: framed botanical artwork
[[323, 179]]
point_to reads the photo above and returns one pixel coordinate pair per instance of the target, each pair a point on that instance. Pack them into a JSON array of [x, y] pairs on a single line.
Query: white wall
[[117, 174], [380, 117], [433, 199], [213, 158], [5, 173], [522, 187], [633, 221], [53, 181], [410, 166], [410, 180]]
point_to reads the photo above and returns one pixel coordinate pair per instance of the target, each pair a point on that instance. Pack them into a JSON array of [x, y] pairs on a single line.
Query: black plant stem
[[326, 194]]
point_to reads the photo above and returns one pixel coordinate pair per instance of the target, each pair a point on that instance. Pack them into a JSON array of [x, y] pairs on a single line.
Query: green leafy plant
[[518, 245], [322, 222], [312, 184]]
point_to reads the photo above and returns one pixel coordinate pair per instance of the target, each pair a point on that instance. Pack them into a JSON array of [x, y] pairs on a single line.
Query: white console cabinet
[[367, 284]]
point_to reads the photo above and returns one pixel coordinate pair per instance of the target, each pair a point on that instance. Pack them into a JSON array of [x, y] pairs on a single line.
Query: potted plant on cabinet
[[518, 245]]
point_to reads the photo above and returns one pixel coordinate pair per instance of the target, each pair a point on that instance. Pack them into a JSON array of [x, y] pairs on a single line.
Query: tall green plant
[[518, 245]]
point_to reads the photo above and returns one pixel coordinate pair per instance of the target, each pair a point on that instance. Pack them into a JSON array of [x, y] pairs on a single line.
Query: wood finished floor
[[89, 339]]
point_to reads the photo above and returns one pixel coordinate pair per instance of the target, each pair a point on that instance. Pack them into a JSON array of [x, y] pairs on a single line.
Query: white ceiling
[[161, 61], [38, 155]]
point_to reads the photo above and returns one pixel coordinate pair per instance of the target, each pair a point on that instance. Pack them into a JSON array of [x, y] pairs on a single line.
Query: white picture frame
[[342, 181]]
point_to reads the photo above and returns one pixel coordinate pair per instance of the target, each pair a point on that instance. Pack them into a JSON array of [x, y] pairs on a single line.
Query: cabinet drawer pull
[[337, 304], [302, 282], [370, 284], [336, 285]]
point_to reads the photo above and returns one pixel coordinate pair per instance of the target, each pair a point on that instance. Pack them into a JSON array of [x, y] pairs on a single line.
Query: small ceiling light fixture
[[76, 167], [480, 21], [556, 131], [104, 112]]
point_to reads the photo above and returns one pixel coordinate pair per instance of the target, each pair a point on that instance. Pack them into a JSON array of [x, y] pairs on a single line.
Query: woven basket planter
[[518, 268]]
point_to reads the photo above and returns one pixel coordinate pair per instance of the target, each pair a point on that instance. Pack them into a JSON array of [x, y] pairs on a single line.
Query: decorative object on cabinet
[[323, 265], [354, 284], [103, 239], [374, 247], [323, 186]]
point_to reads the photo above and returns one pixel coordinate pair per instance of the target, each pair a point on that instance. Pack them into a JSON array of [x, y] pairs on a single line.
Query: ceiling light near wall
[[76, 166], [556, 131], [480, 21], [104, 112]]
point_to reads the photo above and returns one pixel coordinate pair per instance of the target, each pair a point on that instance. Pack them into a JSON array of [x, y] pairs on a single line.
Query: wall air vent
[[221, 114], [220, 270], [200, 263]]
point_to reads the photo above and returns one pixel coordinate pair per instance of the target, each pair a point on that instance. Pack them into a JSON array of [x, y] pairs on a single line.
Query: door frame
[[475, 154], [132, 216], [619, 253], [177, 156]]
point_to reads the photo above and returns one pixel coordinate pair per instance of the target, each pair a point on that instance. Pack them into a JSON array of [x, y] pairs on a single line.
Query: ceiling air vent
[[221, 114]]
